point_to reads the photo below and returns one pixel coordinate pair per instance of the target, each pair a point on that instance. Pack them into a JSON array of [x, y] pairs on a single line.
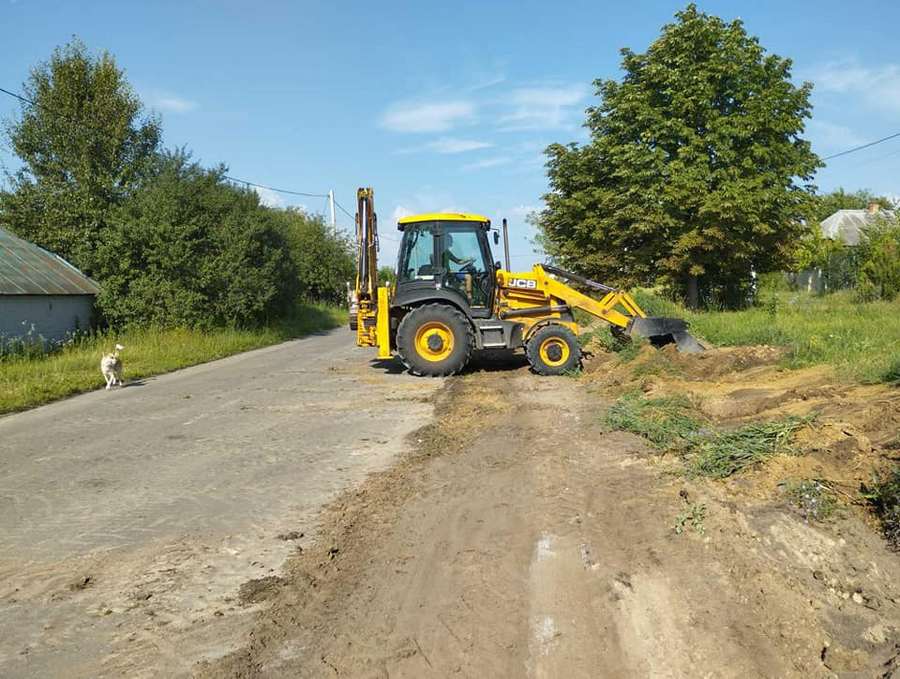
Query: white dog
[[112, 368]]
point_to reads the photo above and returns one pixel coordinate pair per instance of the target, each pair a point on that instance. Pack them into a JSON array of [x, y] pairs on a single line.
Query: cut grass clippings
[[664, 422], [724, 453], [30, 380], [670, 425]]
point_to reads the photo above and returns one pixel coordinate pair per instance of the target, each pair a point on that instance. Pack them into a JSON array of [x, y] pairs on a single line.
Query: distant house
[[41, 294], [847, 225]]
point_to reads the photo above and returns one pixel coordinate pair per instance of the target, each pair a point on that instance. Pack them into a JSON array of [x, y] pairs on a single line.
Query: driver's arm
[[453, 258]]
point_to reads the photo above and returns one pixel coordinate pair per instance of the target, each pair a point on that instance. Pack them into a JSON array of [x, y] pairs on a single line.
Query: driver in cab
[[464, 266]]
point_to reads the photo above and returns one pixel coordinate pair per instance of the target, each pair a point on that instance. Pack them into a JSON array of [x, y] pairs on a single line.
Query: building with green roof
[[42, 296]]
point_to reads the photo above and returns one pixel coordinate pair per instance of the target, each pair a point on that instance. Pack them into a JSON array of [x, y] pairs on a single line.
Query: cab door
[[466, 264]]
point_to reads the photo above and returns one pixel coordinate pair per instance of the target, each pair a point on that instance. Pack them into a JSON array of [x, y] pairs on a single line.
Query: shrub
[[884, 499], [322, 257], [191, 250], [879, 257]]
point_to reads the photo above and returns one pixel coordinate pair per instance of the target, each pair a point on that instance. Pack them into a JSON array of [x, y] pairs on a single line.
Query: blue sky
[[438, 106]]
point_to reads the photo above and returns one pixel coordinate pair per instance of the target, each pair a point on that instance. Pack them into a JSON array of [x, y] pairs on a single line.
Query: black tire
[[561, 354], [435, 322], [354, 323]]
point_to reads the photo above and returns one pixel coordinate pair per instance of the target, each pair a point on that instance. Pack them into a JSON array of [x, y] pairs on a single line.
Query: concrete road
[[129, 519]]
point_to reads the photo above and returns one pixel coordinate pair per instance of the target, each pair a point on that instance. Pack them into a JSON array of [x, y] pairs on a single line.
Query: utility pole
[[331, 208]]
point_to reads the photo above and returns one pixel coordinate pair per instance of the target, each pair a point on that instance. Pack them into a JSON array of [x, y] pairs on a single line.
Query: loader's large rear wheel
[[434, 340], [553, 350]]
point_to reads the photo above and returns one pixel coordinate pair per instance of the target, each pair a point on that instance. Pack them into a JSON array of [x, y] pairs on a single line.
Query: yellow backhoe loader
[[451, 298]]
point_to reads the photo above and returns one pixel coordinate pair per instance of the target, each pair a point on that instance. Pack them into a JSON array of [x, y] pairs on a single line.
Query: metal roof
[[846, 225], [26, 269], [442, 217]]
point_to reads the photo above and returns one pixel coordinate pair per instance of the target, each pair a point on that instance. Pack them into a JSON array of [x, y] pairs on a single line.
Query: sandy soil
[[131, 520], [517, 538]]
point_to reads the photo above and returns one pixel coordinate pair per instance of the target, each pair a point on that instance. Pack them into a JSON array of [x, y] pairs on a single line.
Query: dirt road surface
[[521, 539], [502, 532], [130, 519]]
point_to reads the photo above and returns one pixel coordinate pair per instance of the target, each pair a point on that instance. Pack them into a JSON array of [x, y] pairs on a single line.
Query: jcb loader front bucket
[[661, 331]]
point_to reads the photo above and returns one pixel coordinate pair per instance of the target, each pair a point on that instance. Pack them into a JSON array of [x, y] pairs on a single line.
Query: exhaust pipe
[[506, 244]]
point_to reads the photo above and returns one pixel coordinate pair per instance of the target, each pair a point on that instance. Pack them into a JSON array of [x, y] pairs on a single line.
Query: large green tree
[[696, 172], [85, 146]]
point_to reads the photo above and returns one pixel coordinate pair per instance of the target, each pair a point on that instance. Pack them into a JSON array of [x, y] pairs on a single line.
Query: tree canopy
[[696, 173], [84, 145], [170, 242], [826, 204]]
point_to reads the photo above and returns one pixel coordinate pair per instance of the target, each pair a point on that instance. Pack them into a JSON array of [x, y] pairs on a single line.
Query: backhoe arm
[[536, 294], [616, 306]]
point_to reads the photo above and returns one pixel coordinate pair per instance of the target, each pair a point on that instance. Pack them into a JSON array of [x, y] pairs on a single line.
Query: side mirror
[[496, 238], [497, 265]]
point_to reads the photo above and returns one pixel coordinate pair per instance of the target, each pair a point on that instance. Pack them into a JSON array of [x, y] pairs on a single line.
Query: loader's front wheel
[[553, 350], [434, 340]]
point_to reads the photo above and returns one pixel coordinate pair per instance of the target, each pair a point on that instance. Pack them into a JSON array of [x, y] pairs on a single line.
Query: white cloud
[[487, 162], [523, 211], [399, 213], [878, 87], [413, 117], [832, 136], [449, 145], [169, 103], [269, 198], [543, 107]]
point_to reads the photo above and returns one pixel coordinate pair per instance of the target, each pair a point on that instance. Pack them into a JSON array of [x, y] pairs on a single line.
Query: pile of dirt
[[853, 437]]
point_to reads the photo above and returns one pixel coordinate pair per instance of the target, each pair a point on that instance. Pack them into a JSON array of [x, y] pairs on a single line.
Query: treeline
[[170, 242]]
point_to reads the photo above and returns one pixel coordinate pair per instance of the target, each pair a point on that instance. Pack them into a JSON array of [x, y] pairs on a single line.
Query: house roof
[[846, 225], [26, 269]]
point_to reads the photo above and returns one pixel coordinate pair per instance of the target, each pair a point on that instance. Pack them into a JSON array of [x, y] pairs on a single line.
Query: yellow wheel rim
[[434, 341], [554, 351]]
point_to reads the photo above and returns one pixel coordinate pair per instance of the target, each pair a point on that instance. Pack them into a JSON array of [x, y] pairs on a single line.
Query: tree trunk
[[693, 293]]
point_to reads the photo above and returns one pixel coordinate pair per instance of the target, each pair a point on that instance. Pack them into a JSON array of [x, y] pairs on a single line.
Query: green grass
[[725, 453], [664, 422], [671, 425], [30, 380], [693, 516], [860, 340]]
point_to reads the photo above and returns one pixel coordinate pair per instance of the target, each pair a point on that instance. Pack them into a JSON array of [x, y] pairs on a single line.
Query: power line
[[344, 210], [862, 146], [26, 100], [237, 180], [18, 96], [272, 188]]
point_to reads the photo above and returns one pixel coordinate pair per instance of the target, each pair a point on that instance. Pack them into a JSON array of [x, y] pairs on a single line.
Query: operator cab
[[446, 255]]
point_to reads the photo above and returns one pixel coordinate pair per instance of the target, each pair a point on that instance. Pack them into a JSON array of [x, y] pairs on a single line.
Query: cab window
[[462, 251], [417, 256]]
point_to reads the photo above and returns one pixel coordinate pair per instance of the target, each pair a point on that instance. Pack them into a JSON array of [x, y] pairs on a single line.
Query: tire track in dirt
[[520, 539]]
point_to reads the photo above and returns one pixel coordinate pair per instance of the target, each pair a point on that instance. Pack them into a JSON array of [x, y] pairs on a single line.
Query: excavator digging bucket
[[661, 331]]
